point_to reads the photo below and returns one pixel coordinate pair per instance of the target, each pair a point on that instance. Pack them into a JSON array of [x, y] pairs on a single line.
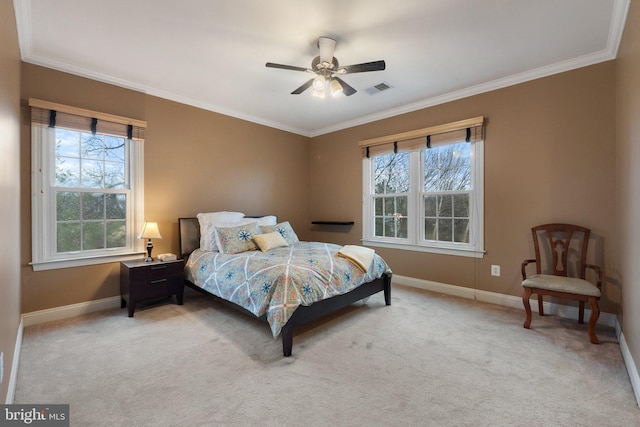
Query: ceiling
[[212, 53]]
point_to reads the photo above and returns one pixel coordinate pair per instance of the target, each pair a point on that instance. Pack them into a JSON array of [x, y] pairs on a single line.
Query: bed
[[265, 285]]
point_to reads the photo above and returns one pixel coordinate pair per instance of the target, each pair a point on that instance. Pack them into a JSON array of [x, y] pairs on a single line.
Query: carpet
[[426, 360]]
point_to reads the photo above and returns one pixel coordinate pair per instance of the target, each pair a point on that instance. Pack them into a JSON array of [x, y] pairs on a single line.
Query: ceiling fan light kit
[[325, 65], [336, 87]]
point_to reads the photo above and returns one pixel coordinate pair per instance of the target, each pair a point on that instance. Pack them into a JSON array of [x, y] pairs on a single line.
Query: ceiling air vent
[[378, 88]]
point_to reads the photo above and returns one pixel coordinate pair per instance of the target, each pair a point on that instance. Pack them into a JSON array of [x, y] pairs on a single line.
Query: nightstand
[[141, 280]]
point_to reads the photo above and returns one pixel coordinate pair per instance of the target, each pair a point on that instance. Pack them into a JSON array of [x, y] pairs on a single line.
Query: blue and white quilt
[[276, 282]]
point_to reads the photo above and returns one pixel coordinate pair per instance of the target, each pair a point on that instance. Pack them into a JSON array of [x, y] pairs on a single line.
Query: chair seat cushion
[[569, 285]]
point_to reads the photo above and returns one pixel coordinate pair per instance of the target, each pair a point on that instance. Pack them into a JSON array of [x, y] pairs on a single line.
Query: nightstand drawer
[[156, 271]]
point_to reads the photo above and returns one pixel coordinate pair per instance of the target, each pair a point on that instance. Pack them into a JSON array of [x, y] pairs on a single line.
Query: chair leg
[[595, 313], [527, 307], [540, 309], [581, 313]]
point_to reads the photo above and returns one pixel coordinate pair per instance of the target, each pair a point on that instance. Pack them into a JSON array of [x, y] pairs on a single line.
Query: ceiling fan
[[326, 66]]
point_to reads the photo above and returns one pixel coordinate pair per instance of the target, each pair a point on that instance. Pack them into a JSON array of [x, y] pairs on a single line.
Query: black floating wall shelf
[[332, 222]]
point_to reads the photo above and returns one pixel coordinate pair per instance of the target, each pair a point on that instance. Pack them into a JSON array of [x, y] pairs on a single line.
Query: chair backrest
[[555, 240]]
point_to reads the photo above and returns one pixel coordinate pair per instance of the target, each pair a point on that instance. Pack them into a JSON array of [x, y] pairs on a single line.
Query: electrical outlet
[[495, 270]]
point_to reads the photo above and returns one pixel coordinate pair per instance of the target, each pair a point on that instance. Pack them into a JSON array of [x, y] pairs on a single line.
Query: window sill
[[471, 253], [80, 262]]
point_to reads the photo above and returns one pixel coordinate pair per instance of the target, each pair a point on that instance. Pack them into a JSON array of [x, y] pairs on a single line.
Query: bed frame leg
[[387, 291], [287, 340]]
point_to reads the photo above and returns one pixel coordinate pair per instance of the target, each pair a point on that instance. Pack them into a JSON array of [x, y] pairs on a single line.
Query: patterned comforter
[[276, 282]]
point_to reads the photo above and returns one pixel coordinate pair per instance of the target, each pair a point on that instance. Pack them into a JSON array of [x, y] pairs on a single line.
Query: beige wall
[[628, 179], [9, 189], [549, 157], [195, 161]]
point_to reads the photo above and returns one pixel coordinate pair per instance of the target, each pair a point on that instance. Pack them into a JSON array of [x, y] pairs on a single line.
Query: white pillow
[[208, 222], [267, 220]]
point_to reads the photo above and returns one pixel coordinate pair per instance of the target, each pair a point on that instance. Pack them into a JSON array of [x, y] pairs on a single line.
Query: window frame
[[43, 157], [415, 226]]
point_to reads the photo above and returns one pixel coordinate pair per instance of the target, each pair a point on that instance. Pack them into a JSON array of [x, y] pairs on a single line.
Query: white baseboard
[[41, 316], [568, 312], [631, 367], [13, 378]]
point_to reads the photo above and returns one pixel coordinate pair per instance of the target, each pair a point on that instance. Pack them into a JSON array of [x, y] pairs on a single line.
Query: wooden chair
[[555, 239]]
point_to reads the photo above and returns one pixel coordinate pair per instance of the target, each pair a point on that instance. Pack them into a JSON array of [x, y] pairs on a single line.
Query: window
[[87, 188], [426, 193]]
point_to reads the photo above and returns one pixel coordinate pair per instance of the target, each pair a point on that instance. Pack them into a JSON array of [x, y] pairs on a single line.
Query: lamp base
[[149, 249]]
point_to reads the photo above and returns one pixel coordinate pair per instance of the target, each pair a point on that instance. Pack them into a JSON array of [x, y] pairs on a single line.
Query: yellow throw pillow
[[269, 241]]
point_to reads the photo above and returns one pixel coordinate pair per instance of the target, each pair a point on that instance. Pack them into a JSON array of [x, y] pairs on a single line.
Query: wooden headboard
[[189, 234]]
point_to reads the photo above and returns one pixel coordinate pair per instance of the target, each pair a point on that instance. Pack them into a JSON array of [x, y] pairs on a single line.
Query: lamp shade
[[150, 231]]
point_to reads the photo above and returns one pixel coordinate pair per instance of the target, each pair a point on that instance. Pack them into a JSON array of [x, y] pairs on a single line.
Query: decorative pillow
[[285, 230], [233, 240], [269, 241], [208, 222]]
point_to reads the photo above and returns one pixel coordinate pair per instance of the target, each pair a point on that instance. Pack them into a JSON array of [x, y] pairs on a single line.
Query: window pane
[[92, 206], [445, 232], [92, 235], [389, 206], [430, 229], [67, 237], [431, 170], [445, 206], [92, 147], [461, 205], [67, 206], [462, 178], [402, 228], [114, 175], [92, 174], [115, 148], [430, 206], [389, 227], [391, 173], [464, 152], [447, 168], [461, 228], [116, 206], [116, 234], [379, 227], [67, 172], [401, 205], [379, 206], [67, 143]]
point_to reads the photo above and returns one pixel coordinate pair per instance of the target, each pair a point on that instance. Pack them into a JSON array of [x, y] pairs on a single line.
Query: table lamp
[[149, 231]]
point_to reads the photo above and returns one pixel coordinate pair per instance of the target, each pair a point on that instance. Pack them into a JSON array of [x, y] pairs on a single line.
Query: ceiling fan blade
[[302, 88], [346, 89], [285, 67], [361, 68]]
